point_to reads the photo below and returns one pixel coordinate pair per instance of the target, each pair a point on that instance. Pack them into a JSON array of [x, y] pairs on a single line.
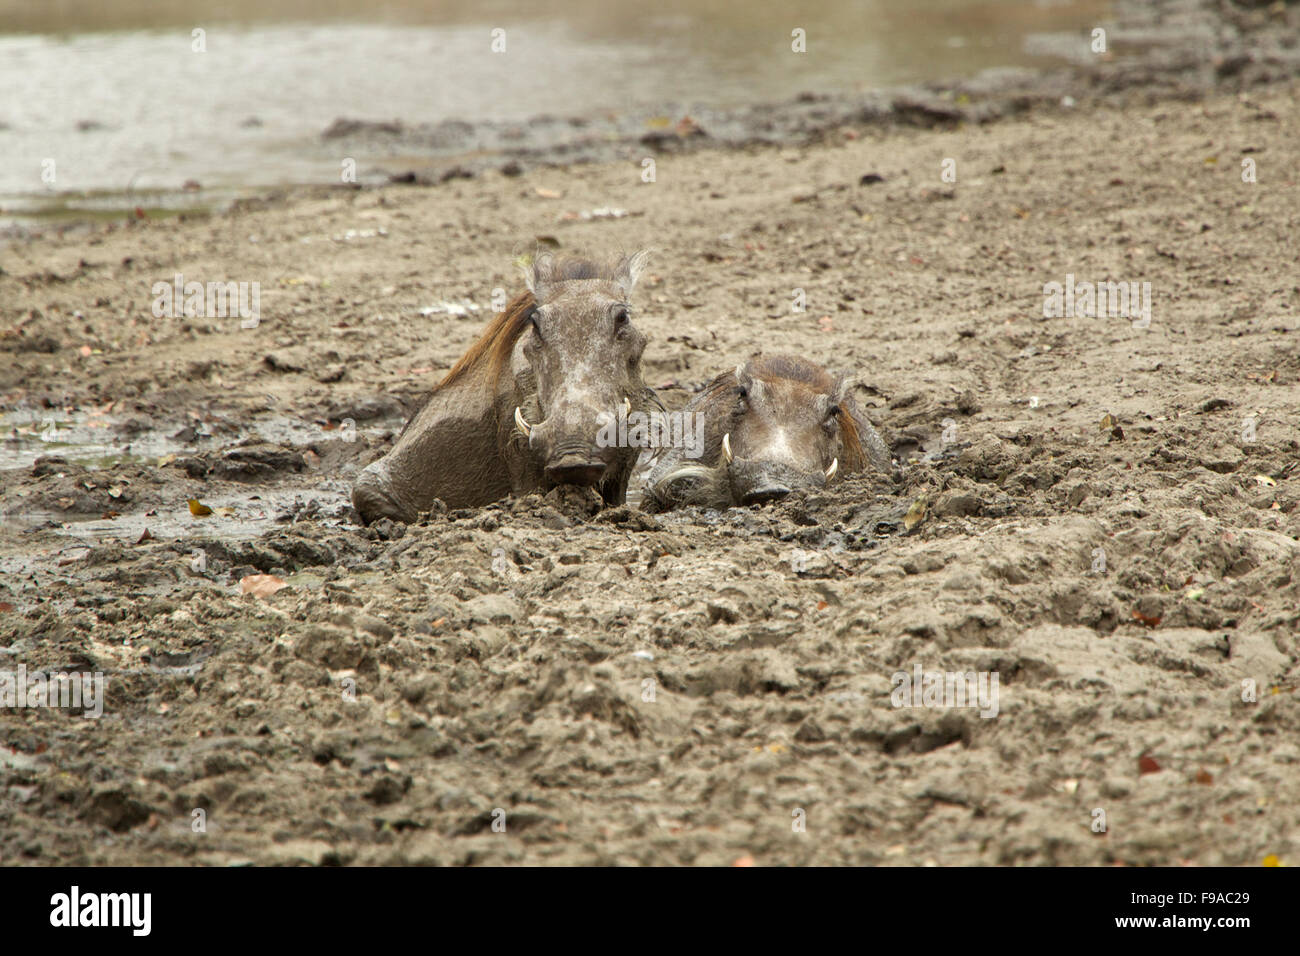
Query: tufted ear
[[842, 390], [629, 269], [746, 379], [539, 275]]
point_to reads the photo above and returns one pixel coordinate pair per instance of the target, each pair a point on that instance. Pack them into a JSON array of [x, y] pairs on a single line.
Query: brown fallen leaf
[[144, 537], [1146, 619], [1204, 778], [915, 514], [1148, 765], [1109, 423], [260, 585], [5, 607]]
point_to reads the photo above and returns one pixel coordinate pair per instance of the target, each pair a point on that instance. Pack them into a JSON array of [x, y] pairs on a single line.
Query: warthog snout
[[569, 460], [575, 462], [575, 470], [758, 482]]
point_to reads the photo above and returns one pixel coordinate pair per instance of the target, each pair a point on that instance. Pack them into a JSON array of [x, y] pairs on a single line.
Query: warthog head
[[774, 425], [584, 355]]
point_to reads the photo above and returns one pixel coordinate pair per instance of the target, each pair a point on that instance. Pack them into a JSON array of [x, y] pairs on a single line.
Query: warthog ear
[[538, 274], [842, 391], [629, 269]]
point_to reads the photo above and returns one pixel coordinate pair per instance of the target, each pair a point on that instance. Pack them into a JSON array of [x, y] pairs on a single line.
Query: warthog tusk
[[521, 423], [627, 406], [726, 446], [835, 466]]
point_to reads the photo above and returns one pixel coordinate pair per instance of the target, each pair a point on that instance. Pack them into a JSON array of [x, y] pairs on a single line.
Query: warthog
[[520, 411], [774, 425]]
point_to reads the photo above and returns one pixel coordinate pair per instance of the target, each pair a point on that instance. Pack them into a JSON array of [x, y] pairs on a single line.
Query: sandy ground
[[699, 687]]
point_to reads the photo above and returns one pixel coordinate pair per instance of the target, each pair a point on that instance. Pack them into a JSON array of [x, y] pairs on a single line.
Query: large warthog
[[522, 408], [774, 425]]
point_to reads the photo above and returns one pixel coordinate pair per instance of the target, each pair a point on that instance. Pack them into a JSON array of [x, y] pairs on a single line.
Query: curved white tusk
[[627, 406], [726, 446], [835, 466], [521, 423]]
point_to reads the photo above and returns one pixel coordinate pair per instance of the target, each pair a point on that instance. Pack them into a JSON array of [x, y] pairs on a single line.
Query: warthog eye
[[621, 317], [535, 322], [832, 420]]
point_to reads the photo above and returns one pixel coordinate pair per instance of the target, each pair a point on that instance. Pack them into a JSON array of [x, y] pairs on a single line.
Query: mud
[[410, 682]]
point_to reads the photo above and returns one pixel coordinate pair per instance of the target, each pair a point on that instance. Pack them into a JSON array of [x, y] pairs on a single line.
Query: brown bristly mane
[[492, 349], [854, 459]]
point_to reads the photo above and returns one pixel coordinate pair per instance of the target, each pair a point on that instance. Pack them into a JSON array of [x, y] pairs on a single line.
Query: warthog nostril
[[575, 472], [766, 493]]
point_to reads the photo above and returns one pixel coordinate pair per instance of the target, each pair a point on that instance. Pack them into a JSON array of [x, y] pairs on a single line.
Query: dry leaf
[[1148, 765], [1204, 778], [915, 514], [1265, 480], [1147, 619], [223, 512], [144, 537], [547, 193], [260, 585]]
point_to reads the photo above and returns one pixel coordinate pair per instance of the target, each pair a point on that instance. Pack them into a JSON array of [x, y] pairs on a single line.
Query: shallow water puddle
[[99, 440], [255, 514]]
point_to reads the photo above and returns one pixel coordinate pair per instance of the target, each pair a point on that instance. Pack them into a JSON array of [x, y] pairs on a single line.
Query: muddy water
[[93, 440], [107, 105], [94, 450]]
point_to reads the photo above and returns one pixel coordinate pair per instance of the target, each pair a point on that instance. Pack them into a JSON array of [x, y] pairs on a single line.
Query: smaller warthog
[[774, 425], [523, 408]]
